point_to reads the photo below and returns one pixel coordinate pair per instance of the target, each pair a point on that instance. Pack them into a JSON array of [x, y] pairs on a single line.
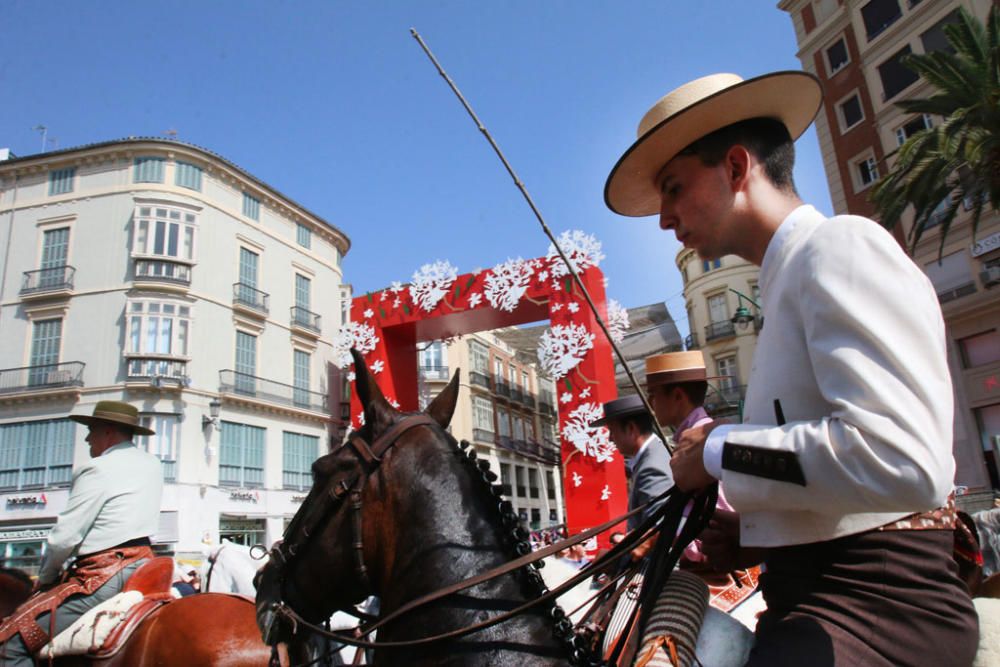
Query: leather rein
[[302, 530]]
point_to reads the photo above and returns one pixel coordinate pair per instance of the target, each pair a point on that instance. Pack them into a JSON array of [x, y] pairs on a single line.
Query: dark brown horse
[[427, 519], [15, 587], [209, 630]]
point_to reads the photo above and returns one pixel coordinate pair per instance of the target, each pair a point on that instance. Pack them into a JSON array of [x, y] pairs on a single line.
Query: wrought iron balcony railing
[[242, 384], [716, 330], [46, 376], [479, 379], [546, 407], [691, 342], [434, 372], [484, 436], [306, 319], [162, 271], [516, 395], [250, 297], [528, 399], [501, 388], [55, 279], [156, 369]]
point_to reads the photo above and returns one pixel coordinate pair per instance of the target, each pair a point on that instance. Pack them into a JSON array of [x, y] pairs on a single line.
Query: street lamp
[[214, 407], [743, 316]]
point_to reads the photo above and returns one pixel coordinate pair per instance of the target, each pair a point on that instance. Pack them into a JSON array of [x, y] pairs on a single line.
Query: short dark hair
[[695, 391], [767, 139], [642, 420]]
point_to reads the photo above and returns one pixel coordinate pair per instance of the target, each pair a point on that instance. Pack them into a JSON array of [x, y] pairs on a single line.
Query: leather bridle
[[348, 485]]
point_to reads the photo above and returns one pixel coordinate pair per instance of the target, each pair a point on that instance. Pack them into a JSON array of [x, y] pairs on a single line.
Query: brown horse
[[208, 630], [423, 518], [15, 588]]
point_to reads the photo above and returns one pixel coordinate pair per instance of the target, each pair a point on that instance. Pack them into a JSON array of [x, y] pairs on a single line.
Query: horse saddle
[[103, 630]]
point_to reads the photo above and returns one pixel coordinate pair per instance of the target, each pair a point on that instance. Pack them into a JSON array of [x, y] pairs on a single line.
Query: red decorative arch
[[386, 326]]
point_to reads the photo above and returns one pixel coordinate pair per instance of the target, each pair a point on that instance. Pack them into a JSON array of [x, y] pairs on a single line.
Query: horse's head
[[329, 548]]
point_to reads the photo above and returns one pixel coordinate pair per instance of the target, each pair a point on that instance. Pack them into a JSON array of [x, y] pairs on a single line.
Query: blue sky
[[335, 105]]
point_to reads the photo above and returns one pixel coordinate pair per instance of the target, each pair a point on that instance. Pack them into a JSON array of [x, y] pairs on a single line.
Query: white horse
[[231, 569]]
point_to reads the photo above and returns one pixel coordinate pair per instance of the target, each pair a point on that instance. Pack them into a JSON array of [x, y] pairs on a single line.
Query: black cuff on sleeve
[[760, 462]]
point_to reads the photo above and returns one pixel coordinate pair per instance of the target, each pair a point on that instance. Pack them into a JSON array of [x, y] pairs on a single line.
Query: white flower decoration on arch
[[431, 283], [588, 440], [561, 348], [618, 322], [582, 250], [358, 335], [507, 283]]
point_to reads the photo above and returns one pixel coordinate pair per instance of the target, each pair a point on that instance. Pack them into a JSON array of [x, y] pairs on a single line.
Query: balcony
[[434, 372], [516, 395], [528, 400], [484, 436], [235, 384], [546, 407], [957, 292], [55, 281], [162, 272], [717, 330], [157, 370], [251, 299], [501, 388], [691, 342], [726, 398], [479, 379], [302, 319], [43, 377]]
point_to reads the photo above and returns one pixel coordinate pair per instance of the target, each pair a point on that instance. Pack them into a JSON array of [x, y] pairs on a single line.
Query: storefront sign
[[988, 244], [27, 501], [246, 495], [24, 534]]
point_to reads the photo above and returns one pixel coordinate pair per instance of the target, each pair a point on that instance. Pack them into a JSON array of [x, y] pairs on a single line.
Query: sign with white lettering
[[988, 244]]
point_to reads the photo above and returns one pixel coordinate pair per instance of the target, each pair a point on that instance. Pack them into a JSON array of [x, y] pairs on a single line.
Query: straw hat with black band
[[675, 367], [696, 109], [115, 413]]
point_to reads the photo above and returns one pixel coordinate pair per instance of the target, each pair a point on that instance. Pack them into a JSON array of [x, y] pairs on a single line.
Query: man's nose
[[667, 221]]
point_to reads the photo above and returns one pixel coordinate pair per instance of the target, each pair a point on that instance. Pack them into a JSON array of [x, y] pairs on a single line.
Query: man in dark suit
[[630, 428]]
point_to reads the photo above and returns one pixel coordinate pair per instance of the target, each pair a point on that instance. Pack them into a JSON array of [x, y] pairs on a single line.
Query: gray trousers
[[15, 654]]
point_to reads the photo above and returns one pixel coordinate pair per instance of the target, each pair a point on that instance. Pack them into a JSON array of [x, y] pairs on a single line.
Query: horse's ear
[[442, 408], [377, 410]]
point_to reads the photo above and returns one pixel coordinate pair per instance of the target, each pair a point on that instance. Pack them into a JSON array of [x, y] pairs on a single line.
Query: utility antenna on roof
[[44, 130]]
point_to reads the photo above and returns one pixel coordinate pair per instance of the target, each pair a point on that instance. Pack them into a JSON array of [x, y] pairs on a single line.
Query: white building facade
[[158, 273]]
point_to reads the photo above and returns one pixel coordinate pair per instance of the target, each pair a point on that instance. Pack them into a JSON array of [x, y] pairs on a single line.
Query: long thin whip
[[548, 233]]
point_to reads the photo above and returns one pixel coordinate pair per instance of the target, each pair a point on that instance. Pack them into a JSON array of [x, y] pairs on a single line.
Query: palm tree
[[957, 161]]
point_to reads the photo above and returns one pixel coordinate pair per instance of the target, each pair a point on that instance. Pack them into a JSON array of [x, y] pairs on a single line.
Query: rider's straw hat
[[115, 412], [674, 367], [698, 108]]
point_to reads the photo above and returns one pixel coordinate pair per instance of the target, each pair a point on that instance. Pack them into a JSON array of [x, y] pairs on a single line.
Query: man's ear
[[738, 162]]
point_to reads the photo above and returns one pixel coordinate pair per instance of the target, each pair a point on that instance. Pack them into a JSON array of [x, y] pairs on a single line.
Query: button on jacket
[[114, 498], [854, 350]]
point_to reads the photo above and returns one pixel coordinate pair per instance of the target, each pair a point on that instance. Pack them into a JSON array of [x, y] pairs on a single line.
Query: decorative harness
[[303, 528]]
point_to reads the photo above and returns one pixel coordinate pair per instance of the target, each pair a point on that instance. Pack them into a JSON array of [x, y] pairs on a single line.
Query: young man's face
[[695, 202], [667, 405]]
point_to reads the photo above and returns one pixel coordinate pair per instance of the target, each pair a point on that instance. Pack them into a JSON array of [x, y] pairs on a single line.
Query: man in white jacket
[[112, 511], [843, 466]]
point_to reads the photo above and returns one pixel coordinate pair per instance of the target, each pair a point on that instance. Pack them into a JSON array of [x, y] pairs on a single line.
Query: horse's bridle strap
[[512, 565]]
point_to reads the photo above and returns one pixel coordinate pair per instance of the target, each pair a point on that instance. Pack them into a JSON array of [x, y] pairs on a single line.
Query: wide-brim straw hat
[[621, 408], [115, 412], [674, 367], [696, 109]]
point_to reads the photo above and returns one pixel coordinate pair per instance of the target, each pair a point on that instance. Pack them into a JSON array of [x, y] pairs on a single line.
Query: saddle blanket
[[90, 631]]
